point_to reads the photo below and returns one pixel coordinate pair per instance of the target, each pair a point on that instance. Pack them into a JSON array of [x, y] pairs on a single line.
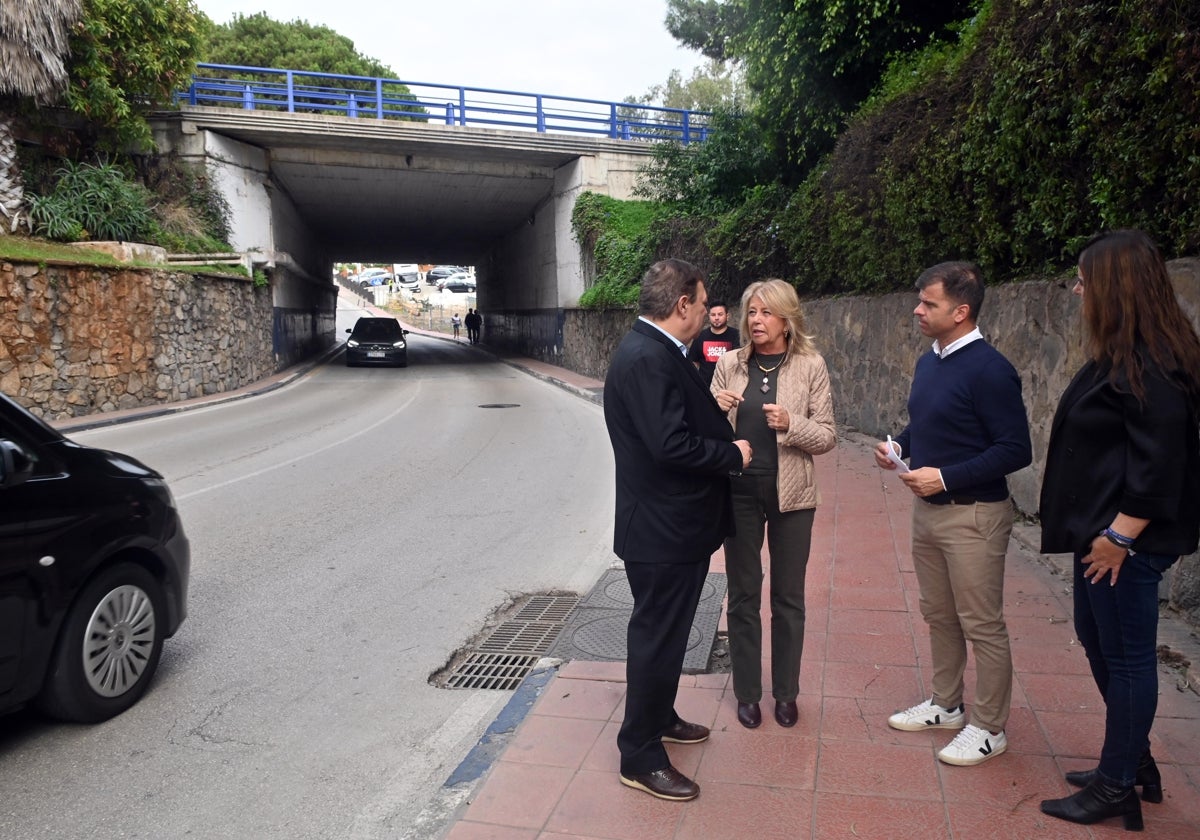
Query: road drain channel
[[508, 653]]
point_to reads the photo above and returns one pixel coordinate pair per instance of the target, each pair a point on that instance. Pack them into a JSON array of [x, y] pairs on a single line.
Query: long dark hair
[[1131, 312]]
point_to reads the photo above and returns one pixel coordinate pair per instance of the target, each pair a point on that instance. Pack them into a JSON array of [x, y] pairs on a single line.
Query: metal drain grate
[[492, 670], [522, 637], [547, 608], [503, 659]]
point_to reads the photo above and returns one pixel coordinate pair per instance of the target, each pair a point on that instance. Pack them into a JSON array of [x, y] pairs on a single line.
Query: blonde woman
[[775, 392]]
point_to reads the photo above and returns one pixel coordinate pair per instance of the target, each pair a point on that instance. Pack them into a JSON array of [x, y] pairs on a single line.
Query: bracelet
[[1119, 540]]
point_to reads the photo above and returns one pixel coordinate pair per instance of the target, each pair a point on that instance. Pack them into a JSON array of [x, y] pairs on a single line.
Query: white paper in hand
[[894, 458]]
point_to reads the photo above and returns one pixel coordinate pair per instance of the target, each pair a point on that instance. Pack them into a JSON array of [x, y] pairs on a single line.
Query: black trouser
[[755, 504], [665, 596]]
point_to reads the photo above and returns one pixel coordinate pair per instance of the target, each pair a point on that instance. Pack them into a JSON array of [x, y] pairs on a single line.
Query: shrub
[[93, 201]]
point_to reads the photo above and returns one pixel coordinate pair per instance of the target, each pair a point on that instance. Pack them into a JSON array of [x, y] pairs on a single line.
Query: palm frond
[[34, 44]]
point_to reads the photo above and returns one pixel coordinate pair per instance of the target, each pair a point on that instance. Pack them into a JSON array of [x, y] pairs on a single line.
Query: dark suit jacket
[[1109, 453], [673, 450]]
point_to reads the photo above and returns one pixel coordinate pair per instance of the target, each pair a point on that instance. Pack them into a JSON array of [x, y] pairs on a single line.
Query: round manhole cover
[[605, 637], [618, 591], [500, 405]]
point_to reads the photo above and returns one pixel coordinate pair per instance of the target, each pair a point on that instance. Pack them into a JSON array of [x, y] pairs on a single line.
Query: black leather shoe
[[786, 713], [749, 715], [686, 733], [667, 783], [1148, 778], [1098, 801]]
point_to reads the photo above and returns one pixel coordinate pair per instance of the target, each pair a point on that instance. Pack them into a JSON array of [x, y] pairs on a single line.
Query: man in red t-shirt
[[713, 341]]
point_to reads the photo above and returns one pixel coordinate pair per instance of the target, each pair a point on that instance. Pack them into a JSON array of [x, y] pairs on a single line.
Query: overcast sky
[[593, 49]]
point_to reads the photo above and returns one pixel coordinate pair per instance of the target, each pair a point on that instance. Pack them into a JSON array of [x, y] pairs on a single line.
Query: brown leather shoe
[[686, 733], [749, 715], [786, 713], [667, 783]]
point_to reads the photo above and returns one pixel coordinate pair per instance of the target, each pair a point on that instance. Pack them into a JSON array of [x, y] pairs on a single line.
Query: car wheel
[[109, 647]]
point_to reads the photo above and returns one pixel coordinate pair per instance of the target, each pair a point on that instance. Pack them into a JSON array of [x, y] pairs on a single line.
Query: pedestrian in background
[[674, 452], [455, 322], [473, 321], [1122, 493], [775, 392], [967, 431], [714, 341]]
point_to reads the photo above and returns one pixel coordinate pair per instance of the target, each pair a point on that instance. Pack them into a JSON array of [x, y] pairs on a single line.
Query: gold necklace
[[766, 383]]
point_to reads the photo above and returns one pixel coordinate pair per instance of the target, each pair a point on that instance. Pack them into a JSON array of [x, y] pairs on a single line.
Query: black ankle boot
[[1148, 778], [1098, 801]]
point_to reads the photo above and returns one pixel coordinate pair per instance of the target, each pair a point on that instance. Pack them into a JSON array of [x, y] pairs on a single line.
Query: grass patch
[[33, 250]]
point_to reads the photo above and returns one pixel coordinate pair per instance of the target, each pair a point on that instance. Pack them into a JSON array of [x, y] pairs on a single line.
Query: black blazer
[[1110, 454], [673, 450]]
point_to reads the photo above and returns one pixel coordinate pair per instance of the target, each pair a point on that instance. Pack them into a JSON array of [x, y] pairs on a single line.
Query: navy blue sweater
[[966, 418]]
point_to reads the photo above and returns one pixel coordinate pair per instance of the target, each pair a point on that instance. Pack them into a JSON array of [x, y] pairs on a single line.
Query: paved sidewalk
[[841, 772]]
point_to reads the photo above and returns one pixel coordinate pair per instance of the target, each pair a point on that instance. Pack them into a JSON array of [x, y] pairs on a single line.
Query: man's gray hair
[[664, 284]]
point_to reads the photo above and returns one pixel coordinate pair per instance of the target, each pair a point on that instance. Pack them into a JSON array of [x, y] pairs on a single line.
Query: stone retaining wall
[[75, 339]]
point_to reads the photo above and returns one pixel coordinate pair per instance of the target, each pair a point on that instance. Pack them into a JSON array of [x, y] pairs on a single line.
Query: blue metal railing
[[297, 91]]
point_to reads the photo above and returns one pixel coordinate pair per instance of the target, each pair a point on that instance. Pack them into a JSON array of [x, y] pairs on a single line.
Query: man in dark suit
[[674, 452]]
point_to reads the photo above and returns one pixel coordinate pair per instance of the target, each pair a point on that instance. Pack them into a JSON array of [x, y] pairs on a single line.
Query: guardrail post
[[625, 134], [192, 92], [379, 98], [612, 121], [541, 116], [687, 127], [291, 93], [449, 113], [352, 106], [462, 106], [247, 99]]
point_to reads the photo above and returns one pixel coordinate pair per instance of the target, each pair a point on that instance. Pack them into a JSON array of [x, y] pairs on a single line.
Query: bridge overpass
[[311, 186]]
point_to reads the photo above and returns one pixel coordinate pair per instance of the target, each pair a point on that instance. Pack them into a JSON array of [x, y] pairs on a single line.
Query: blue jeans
[[1118, 627]]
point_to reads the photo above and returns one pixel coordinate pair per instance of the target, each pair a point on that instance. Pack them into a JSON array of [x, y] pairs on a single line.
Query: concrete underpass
[[307, 191]]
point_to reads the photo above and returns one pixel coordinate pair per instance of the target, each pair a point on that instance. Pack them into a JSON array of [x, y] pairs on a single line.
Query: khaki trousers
[[958, 553]]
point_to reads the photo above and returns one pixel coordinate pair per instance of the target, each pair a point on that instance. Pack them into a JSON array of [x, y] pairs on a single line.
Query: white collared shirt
[[957, 344], [682, 347]]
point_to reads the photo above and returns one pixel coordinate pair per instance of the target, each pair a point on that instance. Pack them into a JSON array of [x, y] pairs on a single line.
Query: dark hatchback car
[[377, 341], [441, 272], [93, 572]]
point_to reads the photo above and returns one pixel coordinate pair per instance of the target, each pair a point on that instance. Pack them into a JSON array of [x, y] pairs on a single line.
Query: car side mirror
[[404, 332], [350, 330], [16, 465]]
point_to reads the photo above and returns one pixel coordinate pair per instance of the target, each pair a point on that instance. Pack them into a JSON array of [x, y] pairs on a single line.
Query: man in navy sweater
[[967, 431]]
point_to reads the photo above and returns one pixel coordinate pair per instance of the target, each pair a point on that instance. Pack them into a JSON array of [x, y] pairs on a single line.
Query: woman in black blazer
[[1122, 492]]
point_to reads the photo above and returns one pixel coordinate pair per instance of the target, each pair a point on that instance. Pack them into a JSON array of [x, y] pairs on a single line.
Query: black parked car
[[441, 272], [93, 572], [377, 341]]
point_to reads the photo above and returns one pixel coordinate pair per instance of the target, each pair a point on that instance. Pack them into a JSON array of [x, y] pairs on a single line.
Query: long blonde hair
[[781, 299]]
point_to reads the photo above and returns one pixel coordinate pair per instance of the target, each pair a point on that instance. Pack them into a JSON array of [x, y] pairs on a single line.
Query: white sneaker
[[928, 715], [973, 746]]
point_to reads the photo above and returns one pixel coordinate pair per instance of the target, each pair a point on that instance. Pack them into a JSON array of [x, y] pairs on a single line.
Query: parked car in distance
[[375, 276], [377, 341], [458, 283], [441, 272], [94, 570], [408, 281]]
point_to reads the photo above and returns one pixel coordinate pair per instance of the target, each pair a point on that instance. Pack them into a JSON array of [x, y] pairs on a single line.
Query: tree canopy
[[713, 86], [258, 41], [129, 56], [811, 63]]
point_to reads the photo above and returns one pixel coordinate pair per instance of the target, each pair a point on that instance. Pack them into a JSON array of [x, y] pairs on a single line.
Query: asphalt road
[[349, 533]]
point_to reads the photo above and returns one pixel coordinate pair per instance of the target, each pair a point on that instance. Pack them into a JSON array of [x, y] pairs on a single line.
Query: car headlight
[[352, 343], [399, 345]]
